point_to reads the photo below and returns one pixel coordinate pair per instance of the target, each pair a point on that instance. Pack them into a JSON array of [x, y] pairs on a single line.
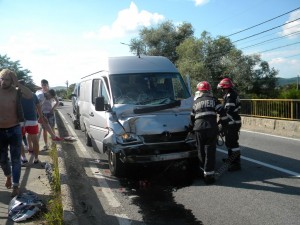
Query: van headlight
[[128, 138]]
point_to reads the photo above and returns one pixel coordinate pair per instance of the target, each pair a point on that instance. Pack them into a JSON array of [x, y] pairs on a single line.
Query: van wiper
[[156, 100], [157, 107]]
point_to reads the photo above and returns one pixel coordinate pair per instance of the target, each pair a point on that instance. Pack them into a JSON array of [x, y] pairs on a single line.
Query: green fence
[[286, 109]]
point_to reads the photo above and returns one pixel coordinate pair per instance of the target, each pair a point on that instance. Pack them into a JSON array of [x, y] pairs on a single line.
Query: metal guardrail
[[285, 109]]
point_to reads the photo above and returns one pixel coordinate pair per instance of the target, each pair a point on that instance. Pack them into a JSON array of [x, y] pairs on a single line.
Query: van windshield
[[148, 89]]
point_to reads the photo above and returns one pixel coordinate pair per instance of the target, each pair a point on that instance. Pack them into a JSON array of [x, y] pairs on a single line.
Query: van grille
[[165, 137]]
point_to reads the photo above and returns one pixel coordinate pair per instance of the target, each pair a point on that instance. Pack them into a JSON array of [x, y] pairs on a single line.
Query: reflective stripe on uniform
[[209, 173], [205, 114], [229, 104], [234, 122], [237, 109], [224, 118], [235, 149]]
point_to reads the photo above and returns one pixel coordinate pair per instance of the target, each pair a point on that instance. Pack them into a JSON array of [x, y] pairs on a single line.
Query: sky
[[64, 40]]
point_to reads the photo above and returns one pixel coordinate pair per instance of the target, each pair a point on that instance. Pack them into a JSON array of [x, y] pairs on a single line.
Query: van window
[[148, 88], [96, 88], [99, 90]]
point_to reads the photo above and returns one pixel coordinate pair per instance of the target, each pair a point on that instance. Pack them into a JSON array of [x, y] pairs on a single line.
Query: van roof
[[135, 64]]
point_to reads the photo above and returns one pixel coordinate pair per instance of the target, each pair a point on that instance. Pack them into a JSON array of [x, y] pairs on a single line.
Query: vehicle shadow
[[149, 188], [152, 187], [260, 175]]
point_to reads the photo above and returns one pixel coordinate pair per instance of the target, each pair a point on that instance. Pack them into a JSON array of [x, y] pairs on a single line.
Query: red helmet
[[225, 83], [203, 86]]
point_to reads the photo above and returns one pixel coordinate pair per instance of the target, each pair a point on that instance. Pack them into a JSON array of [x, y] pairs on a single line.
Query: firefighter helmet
[[203, 86], [225, 83]]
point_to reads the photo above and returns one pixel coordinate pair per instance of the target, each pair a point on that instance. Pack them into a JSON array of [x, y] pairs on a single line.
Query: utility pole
[[298, 82], [138, 51], [67, 83]]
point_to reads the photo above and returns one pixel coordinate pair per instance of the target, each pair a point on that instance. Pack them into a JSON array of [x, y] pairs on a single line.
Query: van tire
[[76, 125], [88, 140], [116, 166]]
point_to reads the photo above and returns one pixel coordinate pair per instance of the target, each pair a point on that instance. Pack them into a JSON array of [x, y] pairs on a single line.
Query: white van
[[137, 110]]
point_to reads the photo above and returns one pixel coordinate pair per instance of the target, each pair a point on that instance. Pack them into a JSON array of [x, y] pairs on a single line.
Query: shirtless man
[[10, 129]]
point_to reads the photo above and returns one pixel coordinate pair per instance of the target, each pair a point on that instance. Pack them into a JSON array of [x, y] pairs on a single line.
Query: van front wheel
[[116, 166], [88, 140]]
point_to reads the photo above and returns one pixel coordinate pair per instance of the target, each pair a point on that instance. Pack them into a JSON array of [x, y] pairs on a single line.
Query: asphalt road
[[266, 191]]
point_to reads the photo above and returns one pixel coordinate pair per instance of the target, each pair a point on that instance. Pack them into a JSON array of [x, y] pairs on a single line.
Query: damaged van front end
[[150, 136]]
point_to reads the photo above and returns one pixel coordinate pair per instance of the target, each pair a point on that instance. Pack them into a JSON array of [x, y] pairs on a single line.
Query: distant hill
[[285, 81], [59, 88]]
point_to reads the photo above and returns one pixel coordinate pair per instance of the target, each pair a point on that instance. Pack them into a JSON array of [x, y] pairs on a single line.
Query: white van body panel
[[158, 129], [145, 64], [173, 119]]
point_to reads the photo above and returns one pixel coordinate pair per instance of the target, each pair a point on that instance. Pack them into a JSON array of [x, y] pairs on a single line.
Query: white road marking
[[265, 164], [272, 135], [110, 197], [123, 218]]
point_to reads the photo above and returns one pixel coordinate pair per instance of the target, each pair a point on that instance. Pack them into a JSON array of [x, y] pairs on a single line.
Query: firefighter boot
[[209, 179], [228, 159], [235, 165]]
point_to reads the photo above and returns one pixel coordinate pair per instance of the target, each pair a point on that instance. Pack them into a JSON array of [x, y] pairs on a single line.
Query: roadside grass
[[54, 214]]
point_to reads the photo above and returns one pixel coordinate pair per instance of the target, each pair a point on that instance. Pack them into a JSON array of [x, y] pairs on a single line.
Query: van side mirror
[[99, 104]]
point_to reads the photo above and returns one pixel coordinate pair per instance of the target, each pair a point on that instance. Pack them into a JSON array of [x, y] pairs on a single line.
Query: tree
[[22, 74], [70, 90], [289, 92], [212, 59], [66, 93], [61, 93], [264, 81], [162, 40], [190, 62], [207, 58]]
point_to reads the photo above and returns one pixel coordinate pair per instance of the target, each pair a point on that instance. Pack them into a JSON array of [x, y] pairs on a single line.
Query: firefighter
[[204, 121], [232, 106]]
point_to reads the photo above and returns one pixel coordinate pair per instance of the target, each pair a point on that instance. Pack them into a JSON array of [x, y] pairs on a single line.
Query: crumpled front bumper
[[141, 152], [135, 158]]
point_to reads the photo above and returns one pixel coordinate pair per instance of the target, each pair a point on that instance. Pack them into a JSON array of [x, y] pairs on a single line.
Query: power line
[[291, 56], [215, 58], [262, 22], [279, 47], [235, 13], [272, 39], [266, 30], [270, 34]]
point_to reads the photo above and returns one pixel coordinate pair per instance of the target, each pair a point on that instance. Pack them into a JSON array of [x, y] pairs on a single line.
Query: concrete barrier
[[284, 128]]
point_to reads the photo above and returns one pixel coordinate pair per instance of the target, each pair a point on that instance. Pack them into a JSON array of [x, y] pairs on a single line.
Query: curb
[[69, 217]]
